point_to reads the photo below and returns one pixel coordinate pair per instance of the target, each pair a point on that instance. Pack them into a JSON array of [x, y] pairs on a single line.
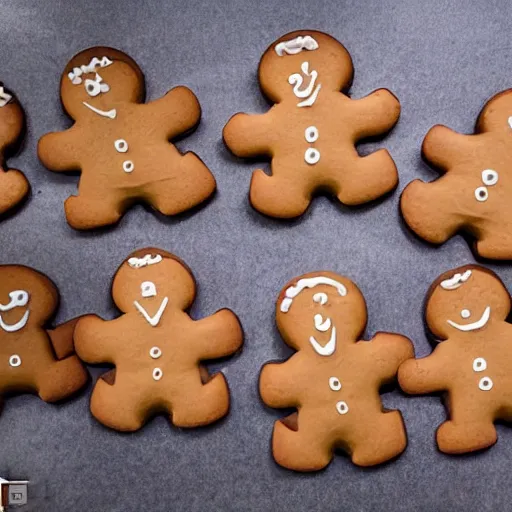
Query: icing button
[[155, 352], [157, 374], [128, 166], [121, 146], [15, 361]]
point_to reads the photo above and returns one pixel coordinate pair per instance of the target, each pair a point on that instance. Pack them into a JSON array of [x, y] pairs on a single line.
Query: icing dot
[[465, 313], [485, 384], [342, 407], [479, 364], [481, 194], [334, 384], [157, 374], [312, 156], [320, 298], [489, 177], [155, 353], [128, 166], [15, 360], [311, 134], [121, 145]]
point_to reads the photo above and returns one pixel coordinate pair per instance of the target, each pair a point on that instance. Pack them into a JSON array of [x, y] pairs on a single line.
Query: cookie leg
[[496, 247], [118, 408], [62, 379], [279, 196], [464, 437], [367, 178], [379, 441], [300, 450], [13, 188], [202, 405], [86, 213], [191, 184]]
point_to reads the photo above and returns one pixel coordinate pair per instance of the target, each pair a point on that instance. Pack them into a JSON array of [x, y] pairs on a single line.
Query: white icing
[[481, 194], [320, 298], [111, 114], [4, 97], [294, 46], [95, 87], [157, 374], [485, 384], [146, 260], [310, 93], [312, 156], [15, 360], [311, 134], [329, 348], [309, 282], [128, 166], [121, 146], [18, 298], [321, 324], [456, 281], [155, 319], [342, 407], [76, 75], [155, 352], [510, 121], [489, 177], [465, 313], [148, 289], [479, 364], [475, 325], [334, 383]]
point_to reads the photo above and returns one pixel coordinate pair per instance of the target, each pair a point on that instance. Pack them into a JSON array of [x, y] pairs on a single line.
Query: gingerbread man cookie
[[311, 132], [121, 144], [333, 380], [13, 185], [157, 348], [33, 358], [473, 196], [466, 311]]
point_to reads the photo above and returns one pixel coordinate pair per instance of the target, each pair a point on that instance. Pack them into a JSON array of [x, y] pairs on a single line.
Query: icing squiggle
[[76, 75], [456, 281], [329, 348], [148, 259], [310, 93], [321, 324], [294, 46], [4, 97], [18, 298], [155, 319]]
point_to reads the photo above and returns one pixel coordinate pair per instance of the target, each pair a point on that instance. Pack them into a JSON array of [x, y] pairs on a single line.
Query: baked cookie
[[156, 348], [13, 184], [121, 144], [311, 132], [33, 358], [333, 380], [473, 196], [466, 311]]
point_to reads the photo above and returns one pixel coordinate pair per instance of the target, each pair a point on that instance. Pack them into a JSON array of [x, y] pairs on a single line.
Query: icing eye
[[157, 374], [128, 166], [479, 364], [481, 194], [15, 361], [312, 156], [342, 407], [465, 313], [320, 298], [485, 384], [155, 353], [148, 289], [121, 145], [311, 134], [92, 87], [489, 177], [334, 384]]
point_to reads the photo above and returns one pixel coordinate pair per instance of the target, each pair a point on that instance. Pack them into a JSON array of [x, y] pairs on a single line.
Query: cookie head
[[27, 298], [151, 277], [302, 61], [464, 301], [11, 119], [496, 116], [317, 310], [97, 79]]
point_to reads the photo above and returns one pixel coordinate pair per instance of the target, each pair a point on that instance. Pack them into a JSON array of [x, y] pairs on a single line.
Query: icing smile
[[330, 347], [18, 298], [155, 319], [482, 322]]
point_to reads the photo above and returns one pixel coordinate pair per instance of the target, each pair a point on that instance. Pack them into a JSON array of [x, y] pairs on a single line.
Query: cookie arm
[[219, 335], [375, 114], [58, 151], [278, 384], [176, 113], [62, 338], [97, 340], [247, 135]]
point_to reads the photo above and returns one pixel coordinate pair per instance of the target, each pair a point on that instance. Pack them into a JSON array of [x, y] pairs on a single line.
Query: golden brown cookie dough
[[13, 184], [121, 144], [311, 131], [157, 348], [466, 312], [333, 379], [34, 359], [473, 195]]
